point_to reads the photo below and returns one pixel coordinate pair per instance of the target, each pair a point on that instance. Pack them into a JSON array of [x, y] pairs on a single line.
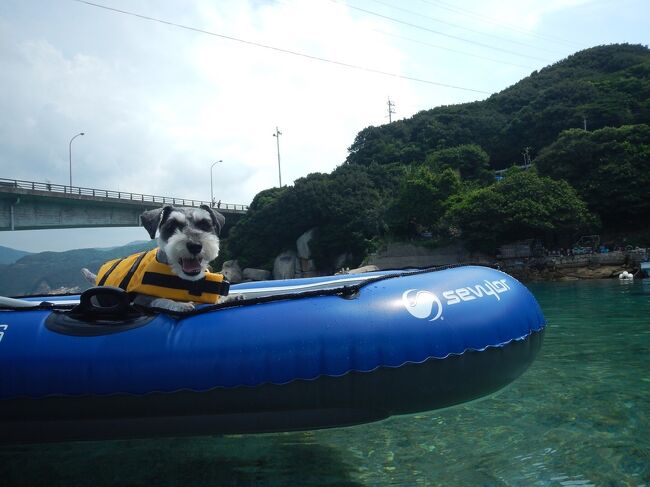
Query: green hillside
[[609, 86], [433, 174]]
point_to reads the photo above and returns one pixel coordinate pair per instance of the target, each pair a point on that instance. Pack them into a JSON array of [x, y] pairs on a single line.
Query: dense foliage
[[434, 175], [346, 207], [609, 167], [523, 204], [607, 85], [422, 200]]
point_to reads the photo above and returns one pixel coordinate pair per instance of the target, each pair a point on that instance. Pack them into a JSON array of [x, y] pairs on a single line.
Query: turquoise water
[[579, 416]]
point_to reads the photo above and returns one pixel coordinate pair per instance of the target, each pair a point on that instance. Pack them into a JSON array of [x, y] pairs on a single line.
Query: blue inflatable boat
[[298, 354]]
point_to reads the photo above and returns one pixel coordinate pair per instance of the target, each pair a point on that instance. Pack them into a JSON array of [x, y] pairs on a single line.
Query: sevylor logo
[[422, 304], [427, 305]]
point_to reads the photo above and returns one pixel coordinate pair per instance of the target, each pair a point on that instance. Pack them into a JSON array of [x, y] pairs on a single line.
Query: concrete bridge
[[29, 205]]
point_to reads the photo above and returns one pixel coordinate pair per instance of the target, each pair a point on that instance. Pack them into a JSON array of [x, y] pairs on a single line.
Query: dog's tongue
[[191, 266]]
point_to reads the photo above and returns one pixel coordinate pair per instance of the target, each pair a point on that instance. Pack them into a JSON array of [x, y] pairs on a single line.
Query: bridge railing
[[120, 195]]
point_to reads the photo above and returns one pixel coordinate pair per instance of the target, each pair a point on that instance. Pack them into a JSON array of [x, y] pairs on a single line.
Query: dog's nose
[[194, 248]]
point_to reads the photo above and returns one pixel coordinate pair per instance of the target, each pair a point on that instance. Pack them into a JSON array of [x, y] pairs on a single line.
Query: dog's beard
[[182, 262]]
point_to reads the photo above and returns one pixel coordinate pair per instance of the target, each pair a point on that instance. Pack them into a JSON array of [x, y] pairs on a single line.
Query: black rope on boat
[[345, 291]]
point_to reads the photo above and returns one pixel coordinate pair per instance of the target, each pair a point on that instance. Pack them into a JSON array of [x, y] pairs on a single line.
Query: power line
[[452, 50], [462, 39], [279, 49], [489, 20], [451, 24], [423, 43]]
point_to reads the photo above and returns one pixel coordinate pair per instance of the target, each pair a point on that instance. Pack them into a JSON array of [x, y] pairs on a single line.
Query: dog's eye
[[204, 225], [174, 225]]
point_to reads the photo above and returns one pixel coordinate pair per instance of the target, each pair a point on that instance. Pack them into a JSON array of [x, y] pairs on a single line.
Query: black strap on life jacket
[[125, 282], [195, 288], [102, 281]]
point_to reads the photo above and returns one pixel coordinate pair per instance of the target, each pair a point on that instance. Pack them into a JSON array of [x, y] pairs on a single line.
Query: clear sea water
[[579, 416]]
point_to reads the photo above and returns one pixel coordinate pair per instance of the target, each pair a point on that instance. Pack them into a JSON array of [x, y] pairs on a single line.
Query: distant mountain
[[45, 272], [130, 244], [9, 255]]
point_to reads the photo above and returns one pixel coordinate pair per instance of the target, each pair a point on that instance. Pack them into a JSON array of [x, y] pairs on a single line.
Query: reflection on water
[[578, 417]]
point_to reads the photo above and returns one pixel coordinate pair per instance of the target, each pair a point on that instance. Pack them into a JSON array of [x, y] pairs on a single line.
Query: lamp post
[[70, 156], [211, 187], [277, 135]]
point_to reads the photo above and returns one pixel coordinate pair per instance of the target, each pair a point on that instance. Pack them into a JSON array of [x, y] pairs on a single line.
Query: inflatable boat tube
[[292, 355]]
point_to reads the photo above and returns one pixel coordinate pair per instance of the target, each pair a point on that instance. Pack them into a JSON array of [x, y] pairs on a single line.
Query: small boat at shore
[[292, 355]]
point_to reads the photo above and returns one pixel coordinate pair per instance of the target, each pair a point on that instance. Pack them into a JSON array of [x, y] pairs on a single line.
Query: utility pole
[[277, 135], [391, 110]]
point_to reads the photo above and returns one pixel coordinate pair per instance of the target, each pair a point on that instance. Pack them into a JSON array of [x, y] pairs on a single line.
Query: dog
[[188, 239]]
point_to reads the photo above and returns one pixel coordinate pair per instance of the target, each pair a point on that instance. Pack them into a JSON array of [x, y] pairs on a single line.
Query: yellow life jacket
[[142, 273]]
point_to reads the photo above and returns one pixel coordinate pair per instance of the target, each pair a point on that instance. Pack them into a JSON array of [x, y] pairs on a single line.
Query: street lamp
[[70, 156], [211, 187]]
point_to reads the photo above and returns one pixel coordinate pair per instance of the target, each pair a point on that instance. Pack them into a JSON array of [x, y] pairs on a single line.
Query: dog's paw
[[171, 305], [230, 298]]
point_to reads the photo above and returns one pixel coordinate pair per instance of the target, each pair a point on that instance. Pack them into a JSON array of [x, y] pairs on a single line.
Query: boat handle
[[104, 301]]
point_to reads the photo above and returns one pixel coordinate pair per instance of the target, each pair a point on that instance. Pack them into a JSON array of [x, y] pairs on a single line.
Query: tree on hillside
[[275, 218], [422, 199], [469, 160], [347, 208], [610, 169], [354, 208], [522, 205]]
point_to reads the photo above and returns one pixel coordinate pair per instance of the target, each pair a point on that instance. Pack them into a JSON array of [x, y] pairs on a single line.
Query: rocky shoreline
[[298, 262], [577, 267]]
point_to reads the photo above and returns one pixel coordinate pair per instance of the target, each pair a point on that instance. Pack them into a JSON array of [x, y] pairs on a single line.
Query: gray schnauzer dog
[[188, 239]]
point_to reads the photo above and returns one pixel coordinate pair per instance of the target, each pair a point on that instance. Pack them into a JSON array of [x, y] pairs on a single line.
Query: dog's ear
[[218, 220], [152, 219]]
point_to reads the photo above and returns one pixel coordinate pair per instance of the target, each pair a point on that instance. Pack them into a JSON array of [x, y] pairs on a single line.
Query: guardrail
[[117, 195]]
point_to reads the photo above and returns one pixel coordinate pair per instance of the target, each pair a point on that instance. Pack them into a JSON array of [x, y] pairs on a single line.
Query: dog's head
[[188, 237]]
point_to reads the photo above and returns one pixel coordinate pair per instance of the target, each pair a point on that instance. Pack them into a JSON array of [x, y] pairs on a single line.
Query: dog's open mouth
[[191, 265]]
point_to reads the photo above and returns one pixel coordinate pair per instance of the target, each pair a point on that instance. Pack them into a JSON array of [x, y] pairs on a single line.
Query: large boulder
[[286, 265], [251, 274], [231, 271], [302, 244]]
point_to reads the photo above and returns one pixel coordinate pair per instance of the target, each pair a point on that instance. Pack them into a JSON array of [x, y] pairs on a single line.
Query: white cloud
[[159, 104]]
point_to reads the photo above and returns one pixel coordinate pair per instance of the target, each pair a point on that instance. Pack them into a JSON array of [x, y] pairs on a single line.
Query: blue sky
[[160, 103]]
